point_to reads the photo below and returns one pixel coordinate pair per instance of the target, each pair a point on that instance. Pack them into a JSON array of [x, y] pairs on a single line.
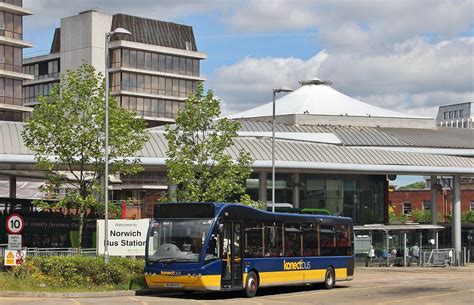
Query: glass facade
[[40, 70], [11, 25], [157, 62], [11, 59], [146, 84], [158, 85], [10, 91], [361, 197]]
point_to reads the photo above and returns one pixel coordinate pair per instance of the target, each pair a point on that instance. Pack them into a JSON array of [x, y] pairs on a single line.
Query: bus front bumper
[[196, 282]]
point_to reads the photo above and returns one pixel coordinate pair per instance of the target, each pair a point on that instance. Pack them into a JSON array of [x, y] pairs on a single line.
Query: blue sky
[[404, 55]]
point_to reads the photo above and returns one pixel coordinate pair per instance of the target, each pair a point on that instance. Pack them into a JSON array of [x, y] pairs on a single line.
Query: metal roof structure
[[318, 97], [155, 32], [290, 155], [439, 137]]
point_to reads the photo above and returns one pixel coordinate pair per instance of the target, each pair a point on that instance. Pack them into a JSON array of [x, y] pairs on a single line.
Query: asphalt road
[[370, 286]]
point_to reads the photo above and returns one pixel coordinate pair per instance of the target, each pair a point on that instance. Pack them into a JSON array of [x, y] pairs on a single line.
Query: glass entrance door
[[231, 254]]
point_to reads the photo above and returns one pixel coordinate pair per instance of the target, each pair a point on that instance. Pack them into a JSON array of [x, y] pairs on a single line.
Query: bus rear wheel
[[329, 278], [251, 285]]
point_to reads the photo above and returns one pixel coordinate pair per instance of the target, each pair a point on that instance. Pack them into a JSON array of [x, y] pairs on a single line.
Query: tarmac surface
[[370, 286]]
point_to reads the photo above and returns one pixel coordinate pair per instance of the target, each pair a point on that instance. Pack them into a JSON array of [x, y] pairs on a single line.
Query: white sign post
[[126, 237], [14, 242]]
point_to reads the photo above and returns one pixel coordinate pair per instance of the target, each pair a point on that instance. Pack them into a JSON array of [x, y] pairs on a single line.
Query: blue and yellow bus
[[220, 246]]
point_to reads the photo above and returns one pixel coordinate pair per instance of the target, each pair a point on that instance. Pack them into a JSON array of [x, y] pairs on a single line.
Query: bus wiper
[[166, 260]]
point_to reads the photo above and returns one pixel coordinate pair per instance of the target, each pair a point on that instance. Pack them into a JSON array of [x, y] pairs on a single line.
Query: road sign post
[[14, 242], [15, 224]]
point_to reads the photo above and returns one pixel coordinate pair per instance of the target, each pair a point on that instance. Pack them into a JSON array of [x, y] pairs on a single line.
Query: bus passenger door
[[231, 254]]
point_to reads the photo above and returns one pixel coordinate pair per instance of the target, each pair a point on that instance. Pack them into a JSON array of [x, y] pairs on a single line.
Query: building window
[[407, 207], [427, 205], [472, 206]]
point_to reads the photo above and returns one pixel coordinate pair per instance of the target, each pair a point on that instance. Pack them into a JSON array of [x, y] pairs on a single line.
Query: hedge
[[77, 271]]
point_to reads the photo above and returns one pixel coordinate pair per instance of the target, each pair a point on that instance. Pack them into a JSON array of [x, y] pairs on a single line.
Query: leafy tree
[[420, 185], [67, 134], [197, 158], [423, 216]]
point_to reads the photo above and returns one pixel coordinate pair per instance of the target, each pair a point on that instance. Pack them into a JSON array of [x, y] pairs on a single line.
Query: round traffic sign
[[15, 224]]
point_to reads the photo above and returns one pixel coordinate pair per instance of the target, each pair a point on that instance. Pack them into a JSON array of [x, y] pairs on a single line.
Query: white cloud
[[49, 12], [413, 74], [357, 23], [250, 81]]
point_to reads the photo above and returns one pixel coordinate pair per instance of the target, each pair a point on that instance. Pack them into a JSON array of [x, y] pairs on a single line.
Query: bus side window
[[310, 240], [273, 239], [292, 240], [253, 239], [343, 237], [328, 240]]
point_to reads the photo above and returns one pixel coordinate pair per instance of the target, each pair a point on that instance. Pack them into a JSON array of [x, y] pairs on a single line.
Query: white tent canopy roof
[[317, 97]]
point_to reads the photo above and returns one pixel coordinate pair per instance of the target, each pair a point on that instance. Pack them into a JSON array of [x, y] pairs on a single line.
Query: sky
[[403, 55]]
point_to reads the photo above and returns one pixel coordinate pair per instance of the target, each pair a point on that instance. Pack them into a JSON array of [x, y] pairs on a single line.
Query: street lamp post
[[108, 35], [275, 91]]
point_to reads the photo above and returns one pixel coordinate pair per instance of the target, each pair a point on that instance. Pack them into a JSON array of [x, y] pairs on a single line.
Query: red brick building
[[405, 201]]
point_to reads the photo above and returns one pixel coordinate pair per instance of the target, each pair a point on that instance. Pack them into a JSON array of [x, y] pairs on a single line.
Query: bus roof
[[236, 211]]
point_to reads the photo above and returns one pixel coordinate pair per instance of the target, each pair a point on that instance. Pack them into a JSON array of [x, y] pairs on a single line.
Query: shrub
[[75, 271], [422, 216]]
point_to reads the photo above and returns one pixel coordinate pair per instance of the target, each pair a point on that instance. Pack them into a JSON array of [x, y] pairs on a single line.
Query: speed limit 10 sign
[[15, 224]]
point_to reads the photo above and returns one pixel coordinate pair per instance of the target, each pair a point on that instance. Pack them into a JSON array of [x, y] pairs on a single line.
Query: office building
[[152, 72], [11, 56], [456, 115]]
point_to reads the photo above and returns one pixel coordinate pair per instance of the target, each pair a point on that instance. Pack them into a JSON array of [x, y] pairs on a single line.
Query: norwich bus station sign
[[126, 237]]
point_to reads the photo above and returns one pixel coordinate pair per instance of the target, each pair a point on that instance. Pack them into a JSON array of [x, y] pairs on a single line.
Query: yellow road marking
[[139, 301], [75, 302]]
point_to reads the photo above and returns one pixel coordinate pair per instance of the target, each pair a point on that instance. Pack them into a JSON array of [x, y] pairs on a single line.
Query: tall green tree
[[67, 134], [198, 162]]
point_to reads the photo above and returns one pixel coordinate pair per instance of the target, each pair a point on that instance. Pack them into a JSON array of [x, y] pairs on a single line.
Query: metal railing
[[438, 258], [60, 252]]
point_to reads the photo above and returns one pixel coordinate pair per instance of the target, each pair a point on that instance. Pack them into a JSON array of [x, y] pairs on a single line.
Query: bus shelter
[[396, 239]]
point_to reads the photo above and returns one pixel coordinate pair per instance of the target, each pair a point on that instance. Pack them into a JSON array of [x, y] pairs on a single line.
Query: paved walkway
[[370, 286]]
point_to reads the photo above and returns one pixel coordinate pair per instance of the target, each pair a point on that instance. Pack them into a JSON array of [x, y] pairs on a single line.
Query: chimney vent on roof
[[315, 81]]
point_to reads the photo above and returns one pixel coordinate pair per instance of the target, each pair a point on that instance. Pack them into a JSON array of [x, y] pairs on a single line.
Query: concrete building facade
[[152, 72], [456, 115], [11, 56]]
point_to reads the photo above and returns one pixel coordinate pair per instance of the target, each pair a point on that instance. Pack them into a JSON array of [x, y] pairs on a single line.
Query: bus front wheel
[[251, 285], [329, 278]]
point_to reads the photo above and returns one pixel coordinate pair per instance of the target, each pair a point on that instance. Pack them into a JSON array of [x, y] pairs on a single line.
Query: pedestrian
[[415, 253], [384, 257], [370, 257]]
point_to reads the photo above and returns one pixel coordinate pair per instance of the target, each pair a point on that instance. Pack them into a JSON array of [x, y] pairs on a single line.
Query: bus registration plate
[[173, 285]]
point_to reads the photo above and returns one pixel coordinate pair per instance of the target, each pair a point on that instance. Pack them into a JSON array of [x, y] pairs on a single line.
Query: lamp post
[[108, 35], [275, 91]]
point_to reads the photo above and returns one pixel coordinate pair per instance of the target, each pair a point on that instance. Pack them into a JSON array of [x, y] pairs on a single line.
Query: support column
[[12, 192], [262, 188], [404, 249], [434, 201], [434, 207], [296, 190], [456, 219]]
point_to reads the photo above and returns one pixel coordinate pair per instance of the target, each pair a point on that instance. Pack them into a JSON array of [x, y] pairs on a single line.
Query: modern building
[[152, 71], [343, 166], [11, 56], [456, 115]]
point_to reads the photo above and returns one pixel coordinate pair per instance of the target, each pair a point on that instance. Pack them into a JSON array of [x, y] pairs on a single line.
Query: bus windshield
[[177, 240]]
